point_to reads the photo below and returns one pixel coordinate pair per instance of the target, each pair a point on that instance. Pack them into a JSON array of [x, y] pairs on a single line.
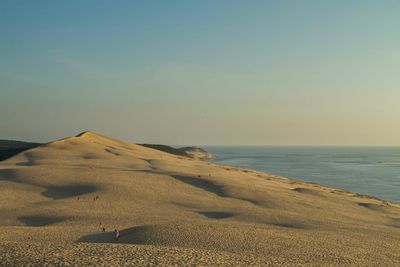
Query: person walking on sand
[[117, 235]]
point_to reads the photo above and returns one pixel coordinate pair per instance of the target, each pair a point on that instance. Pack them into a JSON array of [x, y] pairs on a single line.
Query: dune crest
[[74, 187]]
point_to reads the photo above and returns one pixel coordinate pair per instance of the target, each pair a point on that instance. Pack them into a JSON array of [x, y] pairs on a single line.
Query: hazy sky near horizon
[[202, 72]]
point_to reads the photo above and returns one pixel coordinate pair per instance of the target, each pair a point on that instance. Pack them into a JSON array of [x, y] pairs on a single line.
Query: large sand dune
[[176, 210]]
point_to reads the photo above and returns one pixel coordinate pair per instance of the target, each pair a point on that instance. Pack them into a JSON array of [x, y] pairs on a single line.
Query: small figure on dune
[[103, 229], [78, 198], [117, 235], [97, 197]]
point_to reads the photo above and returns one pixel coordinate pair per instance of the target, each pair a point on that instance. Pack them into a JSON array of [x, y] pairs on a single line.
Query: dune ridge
[[171, 209]]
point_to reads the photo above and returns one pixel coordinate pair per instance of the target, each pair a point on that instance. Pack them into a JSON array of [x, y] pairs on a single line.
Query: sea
[[373, 171]]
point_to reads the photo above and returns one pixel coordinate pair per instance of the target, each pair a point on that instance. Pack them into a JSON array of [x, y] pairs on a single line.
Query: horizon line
[[233, 145]]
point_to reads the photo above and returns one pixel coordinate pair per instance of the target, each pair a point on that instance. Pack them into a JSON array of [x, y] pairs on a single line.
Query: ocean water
[[372, 171]]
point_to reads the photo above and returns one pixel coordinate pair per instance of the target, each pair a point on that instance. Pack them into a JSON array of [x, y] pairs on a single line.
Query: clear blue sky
[[202, 72]]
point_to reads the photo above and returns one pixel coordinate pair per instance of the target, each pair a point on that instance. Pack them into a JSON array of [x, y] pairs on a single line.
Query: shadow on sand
[[202, 184], [216, 214], [59, 192], [308, 191], [40, 220], [134, 235], [292, 225]]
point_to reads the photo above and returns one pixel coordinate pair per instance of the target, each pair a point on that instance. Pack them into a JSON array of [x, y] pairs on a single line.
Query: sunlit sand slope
[[55, 200]]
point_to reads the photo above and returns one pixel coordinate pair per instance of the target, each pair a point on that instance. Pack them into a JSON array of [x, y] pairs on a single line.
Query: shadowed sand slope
[[57, 192], [39, 220], [9, 148], [216, 214], [171, 209]]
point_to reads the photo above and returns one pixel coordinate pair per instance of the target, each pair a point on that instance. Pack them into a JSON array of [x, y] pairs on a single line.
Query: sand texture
[[176, 211]]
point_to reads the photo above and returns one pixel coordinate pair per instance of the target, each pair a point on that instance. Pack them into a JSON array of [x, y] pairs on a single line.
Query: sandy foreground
[[173, 211]]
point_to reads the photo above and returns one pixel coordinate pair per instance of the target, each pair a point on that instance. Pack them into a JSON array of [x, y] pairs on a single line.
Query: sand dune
[[169, 209]]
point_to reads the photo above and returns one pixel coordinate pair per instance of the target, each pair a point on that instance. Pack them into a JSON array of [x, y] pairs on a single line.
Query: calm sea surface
[[366, 170]]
